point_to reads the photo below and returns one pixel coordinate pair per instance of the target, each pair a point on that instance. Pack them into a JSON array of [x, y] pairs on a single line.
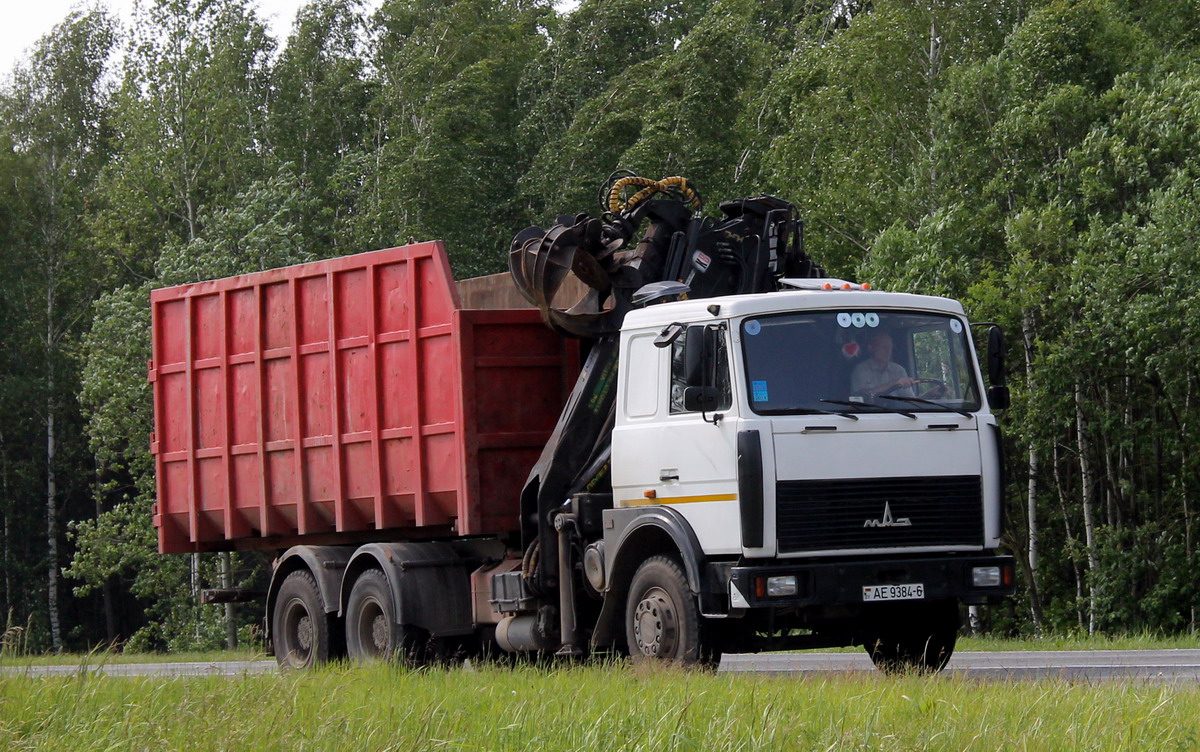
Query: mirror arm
[[709, 379]]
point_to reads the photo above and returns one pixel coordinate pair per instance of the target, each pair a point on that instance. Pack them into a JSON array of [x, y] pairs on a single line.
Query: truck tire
[[662, 617], [372, 633], [913, 638], [300, 628]]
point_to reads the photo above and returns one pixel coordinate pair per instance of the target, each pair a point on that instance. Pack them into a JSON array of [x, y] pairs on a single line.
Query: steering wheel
[[936, 382]]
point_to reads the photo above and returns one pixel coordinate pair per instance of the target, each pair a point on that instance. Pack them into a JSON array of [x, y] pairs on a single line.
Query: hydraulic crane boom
[[755, 242]]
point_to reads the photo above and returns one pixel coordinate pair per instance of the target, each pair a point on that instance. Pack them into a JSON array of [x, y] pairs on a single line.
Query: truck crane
[[678, 446]]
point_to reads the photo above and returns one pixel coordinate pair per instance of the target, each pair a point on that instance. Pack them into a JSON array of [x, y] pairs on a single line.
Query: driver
[[878, 374]]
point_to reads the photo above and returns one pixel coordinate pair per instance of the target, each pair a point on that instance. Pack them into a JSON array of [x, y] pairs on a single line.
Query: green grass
[[615, 707]]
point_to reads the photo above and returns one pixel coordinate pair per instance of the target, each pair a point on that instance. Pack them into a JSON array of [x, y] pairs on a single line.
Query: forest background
[[1038, 160]]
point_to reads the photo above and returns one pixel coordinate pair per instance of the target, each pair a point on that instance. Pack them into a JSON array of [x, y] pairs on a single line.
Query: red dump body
[[343, 401]]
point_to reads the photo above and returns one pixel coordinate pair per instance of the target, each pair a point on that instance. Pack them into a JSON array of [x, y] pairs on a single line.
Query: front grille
[[831, 515]]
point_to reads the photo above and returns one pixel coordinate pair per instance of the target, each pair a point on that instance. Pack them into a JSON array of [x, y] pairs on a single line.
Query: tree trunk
[[1035, 604], [6, 495], [1185, 476], [231, 637], [1111, 481], [51, 477], [1062, 503], [1113, 512], [106, 593], [52, 524], [189, 207], [1086, 483], [196, 584]]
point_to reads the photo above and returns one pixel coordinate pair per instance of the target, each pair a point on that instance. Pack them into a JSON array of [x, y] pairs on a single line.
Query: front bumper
[[842, 583]]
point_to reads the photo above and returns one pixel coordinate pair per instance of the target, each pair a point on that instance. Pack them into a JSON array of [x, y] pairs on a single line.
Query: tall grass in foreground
[[609, 708]]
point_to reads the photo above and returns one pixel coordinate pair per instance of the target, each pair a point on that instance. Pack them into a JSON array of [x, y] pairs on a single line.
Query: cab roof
[[737, 306]]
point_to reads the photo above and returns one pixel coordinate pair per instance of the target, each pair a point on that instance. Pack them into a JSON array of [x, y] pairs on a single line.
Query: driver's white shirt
[[867, 376]]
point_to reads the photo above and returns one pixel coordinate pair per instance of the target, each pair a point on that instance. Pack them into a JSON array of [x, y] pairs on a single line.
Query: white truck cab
[[828, 447]]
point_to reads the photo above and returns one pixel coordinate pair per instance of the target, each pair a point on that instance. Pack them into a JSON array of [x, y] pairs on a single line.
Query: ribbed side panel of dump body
[[345, 400]]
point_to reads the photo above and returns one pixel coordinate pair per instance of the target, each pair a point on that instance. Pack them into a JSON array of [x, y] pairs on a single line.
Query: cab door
[[666, 454]]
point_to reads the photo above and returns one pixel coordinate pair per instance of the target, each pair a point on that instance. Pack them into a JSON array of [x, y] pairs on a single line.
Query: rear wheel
[[300, 628], [371, 629], [662, 618], [916, 637]]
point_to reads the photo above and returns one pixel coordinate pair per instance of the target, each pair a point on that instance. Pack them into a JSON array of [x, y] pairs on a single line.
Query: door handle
[[668, 475]]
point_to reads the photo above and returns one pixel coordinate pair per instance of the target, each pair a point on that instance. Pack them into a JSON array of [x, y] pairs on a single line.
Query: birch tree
[[56, 110], [189, 116]]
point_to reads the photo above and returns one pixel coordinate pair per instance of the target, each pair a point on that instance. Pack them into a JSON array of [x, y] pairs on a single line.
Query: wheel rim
[[374, 632], [656, 624], [298, 632]]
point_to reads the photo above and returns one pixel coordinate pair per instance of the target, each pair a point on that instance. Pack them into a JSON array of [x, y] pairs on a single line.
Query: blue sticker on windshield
[[759, 390], [753, 327]]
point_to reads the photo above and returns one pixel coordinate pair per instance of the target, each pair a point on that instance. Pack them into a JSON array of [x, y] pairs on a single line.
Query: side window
[[679, 376], [930, 348], [939, 355], [640, 367]]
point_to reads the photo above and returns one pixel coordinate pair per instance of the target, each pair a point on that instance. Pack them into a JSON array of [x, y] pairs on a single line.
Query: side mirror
[[998, 397], [700, 398], [669, 334], [997, 371], [699, 349]]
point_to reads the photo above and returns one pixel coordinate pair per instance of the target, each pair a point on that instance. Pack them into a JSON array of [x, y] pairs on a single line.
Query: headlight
[[985, 576], [779, 586]]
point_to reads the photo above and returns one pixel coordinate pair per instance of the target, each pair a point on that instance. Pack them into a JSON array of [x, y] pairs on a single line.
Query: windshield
[[861, 360]]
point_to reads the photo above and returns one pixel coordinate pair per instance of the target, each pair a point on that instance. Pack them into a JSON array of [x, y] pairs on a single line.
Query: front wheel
[[371, 629], [913, 637], [662, 617]]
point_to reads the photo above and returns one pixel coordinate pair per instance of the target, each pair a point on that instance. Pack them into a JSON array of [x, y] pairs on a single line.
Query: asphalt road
[[1085, 665], [1089, 665], [215, 668]]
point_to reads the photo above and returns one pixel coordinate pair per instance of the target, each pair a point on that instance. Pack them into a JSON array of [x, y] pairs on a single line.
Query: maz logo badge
[[888, 520]]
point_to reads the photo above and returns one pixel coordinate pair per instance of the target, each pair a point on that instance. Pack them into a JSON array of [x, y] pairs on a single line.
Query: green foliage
[[1034, 158], [114, 392], [442, 124], [721, 60], [190, 114], [261, 230], [317, 115], [54, 120], [1145, 579], [855, 144], [583, 94]]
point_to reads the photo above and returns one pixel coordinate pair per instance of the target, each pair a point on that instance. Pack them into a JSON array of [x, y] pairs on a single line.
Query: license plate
[[910, 592]]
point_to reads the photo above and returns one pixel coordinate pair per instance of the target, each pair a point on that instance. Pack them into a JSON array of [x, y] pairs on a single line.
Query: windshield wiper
[[880, 408], [922, 401], [843, 413]]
